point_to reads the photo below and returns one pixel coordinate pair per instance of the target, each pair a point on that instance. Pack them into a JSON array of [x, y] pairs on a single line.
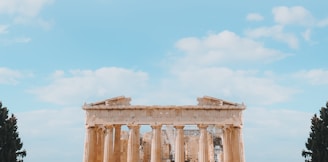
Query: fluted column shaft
[[210, 147], [90, 152], [100, 144], [220, 157], [108, 144], [179, 144], [117, 144], [203, 146], [241, 144], [156, 148], [237, 145], [133, 143], [227, 144]]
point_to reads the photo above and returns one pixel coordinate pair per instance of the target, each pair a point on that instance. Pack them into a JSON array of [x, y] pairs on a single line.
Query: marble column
[[210, 147], [90, 146], [241, 142], [179, 144], [156, 148], [237, 145], [100, 144], [227, 144], [133, 143], [108, 144], [203, 146], [117, 143]]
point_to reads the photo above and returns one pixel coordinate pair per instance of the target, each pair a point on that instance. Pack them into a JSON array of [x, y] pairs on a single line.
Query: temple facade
[[208, 132]]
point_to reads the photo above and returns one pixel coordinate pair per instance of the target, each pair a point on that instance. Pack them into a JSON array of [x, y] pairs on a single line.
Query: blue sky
[[55, 55]]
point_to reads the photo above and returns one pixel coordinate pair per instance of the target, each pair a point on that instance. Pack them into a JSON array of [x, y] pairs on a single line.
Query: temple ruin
[[208, 132]]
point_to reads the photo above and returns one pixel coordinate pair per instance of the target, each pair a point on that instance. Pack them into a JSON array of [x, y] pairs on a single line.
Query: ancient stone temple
[[208, 132]]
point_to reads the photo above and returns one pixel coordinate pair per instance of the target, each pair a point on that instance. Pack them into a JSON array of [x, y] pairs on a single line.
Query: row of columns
[[233, 147], [103, 144], [99, 145]]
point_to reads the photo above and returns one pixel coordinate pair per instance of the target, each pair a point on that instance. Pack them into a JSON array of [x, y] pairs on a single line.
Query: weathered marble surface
[[105, 142]]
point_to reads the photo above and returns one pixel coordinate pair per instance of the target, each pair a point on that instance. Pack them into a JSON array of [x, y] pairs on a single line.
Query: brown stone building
[[207, 132]]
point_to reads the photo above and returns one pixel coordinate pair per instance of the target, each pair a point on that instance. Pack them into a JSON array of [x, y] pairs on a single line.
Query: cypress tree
[[317, 143], [10, 143]]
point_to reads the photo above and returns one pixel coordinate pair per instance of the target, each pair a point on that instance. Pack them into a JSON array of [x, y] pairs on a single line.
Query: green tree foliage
[[10, 143], [317, 143]]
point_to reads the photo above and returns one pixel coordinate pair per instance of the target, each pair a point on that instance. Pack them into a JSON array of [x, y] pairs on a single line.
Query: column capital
[[90, 126], [155, 126], [238, 126], [179, 126], [117, 125], [228, 127], [133, 126], [202, 126], [100, 128], [109, 126]]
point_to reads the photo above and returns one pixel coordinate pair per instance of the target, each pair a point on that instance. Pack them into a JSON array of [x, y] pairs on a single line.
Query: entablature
[[208, 111]]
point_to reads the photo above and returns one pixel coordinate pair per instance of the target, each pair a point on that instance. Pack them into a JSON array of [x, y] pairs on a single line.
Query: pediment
[[211, 101], [116, 101]]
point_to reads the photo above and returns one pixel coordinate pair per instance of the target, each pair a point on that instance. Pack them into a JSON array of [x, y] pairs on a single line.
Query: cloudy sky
[[56, 55]]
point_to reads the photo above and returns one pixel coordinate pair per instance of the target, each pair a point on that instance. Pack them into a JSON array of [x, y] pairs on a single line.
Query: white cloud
[[293, 15], [240, 85], [9, 76], [297, 15], [314, 76], [10, 41], [81, 85], [203, 69], [22, 40], [45, 24], [222, 48], [323, 23], [58, 74], [275, 127], [276, 32], [307, 35], [24, 8], [20, 12], [286, 20], [25, 11], [254, 17], [4, 29]]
